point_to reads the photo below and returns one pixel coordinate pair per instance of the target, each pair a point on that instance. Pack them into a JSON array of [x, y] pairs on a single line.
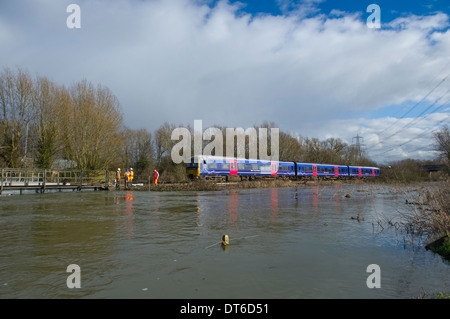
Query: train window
[[225, 166], [255, 167], [248, 166], [240, 166], [212, 165], [192, 165]]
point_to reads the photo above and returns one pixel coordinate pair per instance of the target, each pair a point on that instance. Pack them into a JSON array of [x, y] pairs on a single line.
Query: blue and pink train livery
[[213, 166]]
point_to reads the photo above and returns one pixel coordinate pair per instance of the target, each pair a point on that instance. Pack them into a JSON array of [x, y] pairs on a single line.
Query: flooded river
[[284, 243]]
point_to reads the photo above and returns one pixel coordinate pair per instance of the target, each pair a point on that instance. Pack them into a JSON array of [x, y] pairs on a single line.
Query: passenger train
[[217, 166]]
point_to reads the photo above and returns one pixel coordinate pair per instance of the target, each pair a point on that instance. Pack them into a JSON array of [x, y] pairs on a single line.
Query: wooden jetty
[[40, 180]]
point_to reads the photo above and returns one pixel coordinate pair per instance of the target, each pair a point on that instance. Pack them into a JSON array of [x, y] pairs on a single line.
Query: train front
[[193, 169]]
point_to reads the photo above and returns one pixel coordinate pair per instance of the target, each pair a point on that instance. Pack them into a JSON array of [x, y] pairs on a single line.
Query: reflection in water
[[233, 204], [315, 199], [129, 221], [155, 202], [274, 204], [337, 199], [124, 201]]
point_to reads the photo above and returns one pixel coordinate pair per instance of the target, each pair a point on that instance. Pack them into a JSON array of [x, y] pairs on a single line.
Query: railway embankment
[[211, 185]]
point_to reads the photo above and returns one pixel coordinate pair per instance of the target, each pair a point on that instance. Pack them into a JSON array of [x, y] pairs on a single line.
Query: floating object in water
[[225, 240]]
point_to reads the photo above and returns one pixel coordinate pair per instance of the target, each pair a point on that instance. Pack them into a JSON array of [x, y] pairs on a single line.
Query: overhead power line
[[447, 118], [415, 105], [419, 118]]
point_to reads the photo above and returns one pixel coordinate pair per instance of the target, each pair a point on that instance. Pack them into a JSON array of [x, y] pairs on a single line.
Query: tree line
[[43, 124], [46, 125]]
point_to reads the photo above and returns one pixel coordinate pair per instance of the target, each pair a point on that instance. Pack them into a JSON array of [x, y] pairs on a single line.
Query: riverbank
[[203, 185]]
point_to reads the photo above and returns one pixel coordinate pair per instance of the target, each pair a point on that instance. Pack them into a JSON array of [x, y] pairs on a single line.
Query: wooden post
[[1, 186], [45, 178]]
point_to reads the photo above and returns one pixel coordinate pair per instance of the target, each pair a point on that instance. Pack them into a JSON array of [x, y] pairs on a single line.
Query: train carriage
[[324, 170], [286, 169], [216, 166], [363, 171], [204, 166]]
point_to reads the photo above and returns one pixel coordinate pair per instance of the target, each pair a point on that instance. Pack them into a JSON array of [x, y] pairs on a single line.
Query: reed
[[430, 208]]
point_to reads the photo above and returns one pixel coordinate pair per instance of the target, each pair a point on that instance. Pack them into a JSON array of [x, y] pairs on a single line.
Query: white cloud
[[388, 139], [181, 60]]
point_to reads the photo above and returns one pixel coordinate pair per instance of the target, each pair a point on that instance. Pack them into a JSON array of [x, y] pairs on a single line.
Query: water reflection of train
[[217, 166]]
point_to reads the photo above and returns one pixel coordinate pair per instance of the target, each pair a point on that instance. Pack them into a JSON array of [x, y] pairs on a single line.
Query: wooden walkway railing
[[41, 180]]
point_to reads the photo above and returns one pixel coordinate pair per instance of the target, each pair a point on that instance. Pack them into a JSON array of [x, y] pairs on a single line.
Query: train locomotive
[[217, 166]]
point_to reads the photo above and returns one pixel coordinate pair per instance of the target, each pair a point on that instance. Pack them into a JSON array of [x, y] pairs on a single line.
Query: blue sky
[[313, 67], [391, 9]]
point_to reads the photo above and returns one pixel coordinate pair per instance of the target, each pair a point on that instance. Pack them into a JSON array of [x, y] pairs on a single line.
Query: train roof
[[233, 158]]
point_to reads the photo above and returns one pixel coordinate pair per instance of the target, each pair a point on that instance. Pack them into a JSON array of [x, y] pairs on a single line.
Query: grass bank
[[202, 185]]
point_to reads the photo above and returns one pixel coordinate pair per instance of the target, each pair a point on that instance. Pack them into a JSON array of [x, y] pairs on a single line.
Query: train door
[[373, 171], [359, 171], [336, 171], [233, 167], [314, 170], [273, 168]]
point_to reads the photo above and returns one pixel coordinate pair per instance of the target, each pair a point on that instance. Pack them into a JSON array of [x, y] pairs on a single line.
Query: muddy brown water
[[284, 243]]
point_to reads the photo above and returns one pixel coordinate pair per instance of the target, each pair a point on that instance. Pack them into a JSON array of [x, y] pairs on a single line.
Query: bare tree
[[442, 138], [138, 150], [16, 91], [93, 120], [47, 113], [163, 142]]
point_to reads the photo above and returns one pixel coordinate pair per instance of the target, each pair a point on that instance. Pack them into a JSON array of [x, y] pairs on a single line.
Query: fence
[[41, 180], [21, 179]]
